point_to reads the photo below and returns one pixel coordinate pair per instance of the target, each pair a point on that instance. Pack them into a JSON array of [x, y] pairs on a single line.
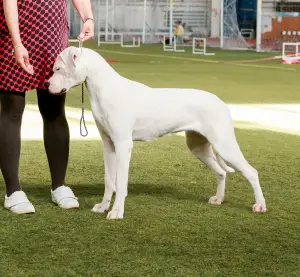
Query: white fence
[[149, 19], [215, 20]]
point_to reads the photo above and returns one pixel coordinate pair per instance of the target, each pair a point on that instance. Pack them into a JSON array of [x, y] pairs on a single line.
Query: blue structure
[[246, 13]]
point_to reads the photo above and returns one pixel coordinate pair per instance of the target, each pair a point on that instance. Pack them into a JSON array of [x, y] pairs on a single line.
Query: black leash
[[82, 121]]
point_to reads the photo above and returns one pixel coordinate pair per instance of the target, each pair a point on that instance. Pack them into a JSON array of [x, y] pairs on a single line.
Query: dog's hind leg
[[202, 149], [110, 174], [227, 147]]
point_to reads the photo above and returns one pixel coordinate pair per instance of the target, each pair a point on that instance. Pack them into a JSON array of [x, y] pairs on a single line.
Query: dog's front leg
[[123, 154], [110, 174]]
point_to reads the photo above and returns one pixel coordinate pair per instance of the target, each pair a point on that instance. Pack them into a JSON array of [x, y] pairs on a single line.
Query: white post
[[99, 22], [144, 22], [221, 23], [171, 22], [258, 25], [113, 20], [106, 21], [167, 47], [215, 19]]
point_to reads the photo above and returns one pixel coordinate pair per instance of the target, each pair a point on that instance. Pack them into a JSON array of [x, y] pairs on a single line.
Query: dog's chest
[[99, 117]]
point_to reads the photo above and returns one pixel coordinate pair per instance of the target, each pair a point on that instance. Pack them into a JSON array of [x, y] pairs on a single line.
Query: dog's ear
[[75, 54]]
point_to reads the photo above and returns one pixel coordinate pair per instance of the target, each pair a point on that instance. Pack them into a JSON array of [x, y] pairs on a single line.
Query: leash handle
[[82, 121]]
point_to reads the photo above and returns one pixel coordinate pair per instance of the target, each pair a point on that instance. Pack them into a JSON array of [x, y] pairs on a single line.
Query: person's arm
[[12, 21], [84, 8]]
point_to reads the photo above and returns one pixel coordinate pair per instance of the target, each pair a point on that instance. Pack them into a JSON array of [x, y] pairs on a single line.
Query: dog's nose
[[47, 84]]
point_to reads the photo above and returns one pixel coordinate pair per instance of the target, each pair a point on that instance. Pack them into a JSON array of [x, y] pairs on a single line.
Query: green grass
[[169, 229]]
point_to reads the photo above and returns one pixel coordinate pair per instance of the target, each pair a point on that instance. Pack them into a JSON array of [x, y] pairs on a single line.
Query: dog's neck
[[99, 75], [98, 70]]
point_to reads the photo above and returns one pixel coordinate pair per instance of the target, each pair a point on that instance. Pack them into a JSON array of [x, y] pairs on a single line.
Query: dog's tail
[[224, 165]]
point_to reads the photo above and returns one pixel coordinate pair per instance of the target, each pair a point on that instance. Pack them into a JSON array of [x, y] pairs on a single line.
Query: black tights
[[56, 136]]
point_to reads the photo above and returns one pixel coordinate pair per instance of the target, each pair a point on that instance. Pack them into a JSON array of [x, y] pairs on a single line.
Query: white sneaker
[[64, 197], [18, 203]]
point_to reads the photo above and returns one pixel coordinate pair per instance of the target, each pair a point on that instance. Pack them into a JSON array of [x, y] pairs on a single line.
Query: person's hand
[[22, 58], [87, 31]]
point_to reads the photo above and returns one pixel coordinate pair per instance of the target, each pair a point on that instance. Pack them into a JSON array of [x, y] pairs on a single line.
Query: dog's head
[[68, 71]]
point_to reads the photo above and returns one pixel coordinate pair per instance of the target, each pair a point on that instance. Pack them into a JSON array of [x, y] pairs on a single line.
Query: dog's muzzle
[[47, 85]]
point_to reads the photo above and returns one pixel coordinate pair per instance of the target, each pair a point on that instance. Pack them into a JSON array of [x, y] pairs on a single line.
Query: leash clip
[[80, 45]]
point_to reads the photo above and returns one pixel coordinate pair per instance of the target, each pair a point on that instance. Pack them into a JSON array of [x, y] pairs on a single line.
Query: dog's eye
[[57, 68]]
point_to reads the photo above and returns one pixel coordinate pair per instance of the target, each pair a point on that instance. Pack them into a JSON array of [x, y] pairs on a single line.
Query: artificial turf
[[168, 229]]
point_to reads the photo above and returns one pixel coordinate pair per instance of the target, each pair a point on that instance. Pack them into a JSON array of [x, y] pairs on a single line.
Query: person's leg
[[56, 141], [12, 108], [0, 116]]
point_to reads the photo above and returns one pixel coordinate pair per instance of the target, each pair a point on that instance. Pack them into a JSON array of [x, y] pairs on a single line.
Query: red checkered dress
[[44, 33]]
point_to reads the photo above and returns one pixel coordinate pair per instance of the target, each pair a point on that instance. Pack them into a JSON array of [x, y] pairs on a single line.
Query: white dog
[[127, 111]]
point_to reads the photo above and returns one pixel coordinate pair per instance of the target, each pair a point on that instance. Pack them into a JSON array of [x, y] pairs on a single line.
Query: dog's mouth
[[63, 91]]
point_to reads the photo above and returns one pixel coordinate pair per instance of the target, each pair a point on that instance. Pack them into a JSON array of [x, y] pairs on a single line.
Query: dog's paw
[[214, 200], [259, 208], [115, 214], [101, 208]]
